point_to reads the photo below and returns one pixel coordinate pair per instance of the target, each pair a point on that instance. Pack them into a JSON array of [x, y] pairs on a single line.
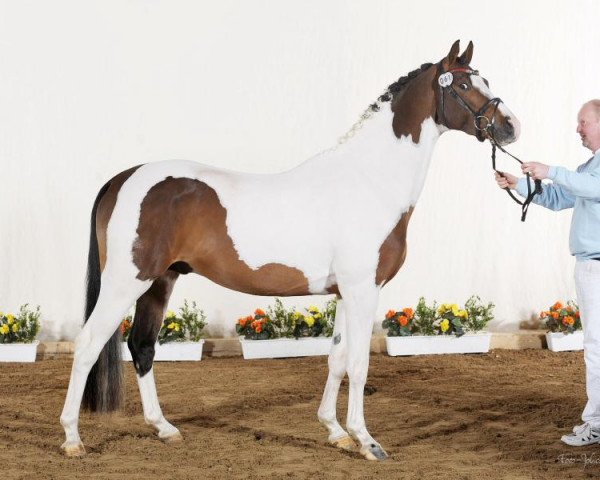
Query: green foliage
[[22, 328], [283, 319], [425, 318], [479, 314]]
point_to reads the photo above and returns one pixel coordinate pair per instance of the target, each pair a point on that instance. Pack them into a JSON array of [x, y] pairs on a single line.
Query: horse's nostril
[[508, 126]]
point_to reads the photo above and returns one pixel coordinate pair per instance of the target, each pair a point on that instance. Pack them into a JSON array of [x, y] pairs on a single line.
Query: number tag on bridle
[[445, 79]]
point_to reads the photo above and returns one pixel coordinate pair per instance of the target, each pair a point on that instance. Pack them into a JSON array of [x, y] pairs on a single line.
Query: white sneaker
[[582, 435]]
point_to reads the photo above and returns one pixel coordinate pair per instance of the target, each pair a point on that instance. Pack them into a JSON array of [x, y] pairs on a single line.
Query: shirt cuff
[[552, 173], [522, 187]]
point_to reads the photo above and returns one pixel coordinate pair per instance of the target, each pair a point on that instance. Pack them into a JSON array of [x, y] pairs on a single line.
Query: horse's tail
[[103, 390]]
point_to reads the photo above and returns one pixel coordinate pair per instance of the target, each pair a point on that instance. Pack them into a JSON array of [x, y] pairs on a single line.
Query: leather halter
[[488, 128]]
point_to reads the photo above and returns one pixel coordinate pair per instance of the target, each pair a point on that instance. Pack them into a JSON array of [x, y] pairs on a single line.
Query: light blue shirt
[[580, 191]]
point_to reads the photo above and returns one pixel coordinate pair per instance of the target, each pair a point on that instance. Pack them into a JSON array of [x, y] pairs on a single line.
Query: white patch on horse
[[480, 85]]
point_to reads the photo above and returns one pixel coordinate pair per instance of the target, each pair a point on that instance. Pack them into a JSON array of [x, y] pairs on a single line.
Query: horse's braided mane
[[392, 90], [399, 85]]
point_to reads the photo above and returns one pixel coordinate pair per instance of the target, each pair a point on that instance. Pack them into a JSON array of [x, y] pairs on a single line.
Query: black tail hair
[[104, 387]]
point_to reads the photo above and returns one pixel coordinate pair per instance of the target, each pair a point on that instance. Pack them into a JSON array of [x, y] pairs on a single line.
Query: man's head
[[588, 125]]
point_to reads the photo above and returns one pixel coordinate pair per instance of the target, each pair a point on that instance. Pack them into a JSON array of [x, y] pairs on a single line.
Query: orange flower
[[242, 321], [543, 314], [569, 321], [568, 309], [557, 306], [259, 312], [577, 313], [125, 324], [403, 321], [555, 315], [249, 318], [390, 314], [259, 328], [409, 312]]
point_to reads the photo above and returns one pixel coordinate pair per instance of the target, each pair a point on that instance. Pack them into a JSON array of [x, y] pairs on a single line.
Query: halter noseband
[[445, 80]]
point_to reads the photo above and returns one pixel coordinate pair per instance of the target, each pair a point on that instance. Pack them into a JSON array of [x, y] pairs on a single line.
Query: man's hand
[[537, 171], [506, 180]]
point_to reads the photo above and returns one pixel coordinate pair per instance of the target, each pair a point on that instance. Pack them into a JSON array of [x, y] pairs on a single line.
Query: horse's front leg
[[361, 304], [337, 369]]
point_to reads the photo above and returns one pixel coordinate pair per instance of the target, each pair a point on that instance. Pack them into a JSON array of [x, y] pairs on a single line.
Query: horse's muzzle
[[507, 131]]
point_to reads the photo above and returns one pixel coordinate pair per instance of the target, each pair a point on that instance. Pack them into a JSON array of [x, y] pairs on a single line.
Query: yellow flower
[[313, 309], [444, 307], [172, 325], [445, 325], [177, 327], [11, 319], [170, 314], [310, 320], [318, 315], [297, 316], [15, 328], [455, 310], [4, 330], [463, 314]]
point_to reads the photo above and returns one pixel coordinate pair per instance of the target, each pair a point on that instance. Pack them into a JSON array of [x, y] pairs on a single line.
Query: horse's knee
[[142, 355]]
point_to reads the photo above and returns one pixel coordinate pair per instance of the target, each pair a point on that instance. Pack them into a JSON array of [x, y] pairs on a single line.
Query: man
[[579, 190]]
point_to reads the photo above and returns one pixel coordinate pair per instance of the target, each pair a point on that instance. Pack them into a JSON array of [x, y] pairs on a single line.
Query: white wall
[[88, 89]]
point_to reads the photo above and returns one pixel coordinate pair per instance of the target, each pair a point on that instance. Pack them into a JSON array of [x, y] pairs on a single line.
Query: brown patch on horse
[[182, 222], [414, 104], [392, 252], [105, 209]]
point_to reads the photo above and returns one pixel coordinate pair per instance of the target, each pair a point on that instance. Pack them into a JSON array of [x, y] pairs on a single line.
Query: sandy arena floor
[[493, 416]]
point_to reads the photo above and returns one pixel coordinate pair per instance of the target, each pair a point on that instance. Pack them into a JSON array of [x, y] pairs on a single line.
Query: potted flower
[[17, 335], [281, 332], [564, 327], [433, 329], [179, 338]]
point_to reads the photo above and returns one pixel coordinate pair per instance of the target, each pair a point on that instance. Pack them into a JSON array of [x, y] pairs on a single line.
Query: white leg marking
[[113, 303], [152, 412], [337, 369]]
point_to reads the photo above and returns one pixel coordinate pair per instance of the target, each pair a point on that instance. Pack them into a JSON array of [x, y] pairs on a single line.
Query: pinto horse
[[153, 222]]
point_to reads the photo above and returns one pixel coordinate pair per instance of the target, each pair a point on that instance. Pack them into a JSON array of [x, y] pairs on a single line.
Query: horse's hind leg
[[114, 299], [149, 314], [337, 369]]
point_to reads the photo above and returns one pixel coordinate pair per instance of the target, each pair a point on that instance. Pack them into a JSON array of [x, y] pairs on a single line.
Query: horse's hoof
[[345, 443], [73, 449], [373, 452], [173, 438]]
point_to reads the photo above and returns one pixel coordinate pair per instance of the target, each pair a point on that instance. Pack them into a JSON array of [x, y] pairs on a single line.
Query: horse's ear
[[465, 58], [452, 54]]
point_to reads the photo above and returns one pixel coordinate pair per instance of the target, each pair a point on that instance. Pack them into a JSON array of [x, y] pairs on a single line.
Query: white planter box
[[18, 352], [170, 352], [437, 344], [561, 342], [285, 347]]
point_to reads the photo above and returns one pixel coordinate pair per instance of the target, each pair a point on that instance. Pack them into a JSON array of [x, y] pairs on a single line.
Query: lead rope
[[530, 194]]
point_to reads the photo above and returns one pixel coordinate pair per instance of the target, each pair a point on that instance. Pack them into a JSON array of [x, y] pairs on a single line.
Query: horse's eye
[[464, 86]]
